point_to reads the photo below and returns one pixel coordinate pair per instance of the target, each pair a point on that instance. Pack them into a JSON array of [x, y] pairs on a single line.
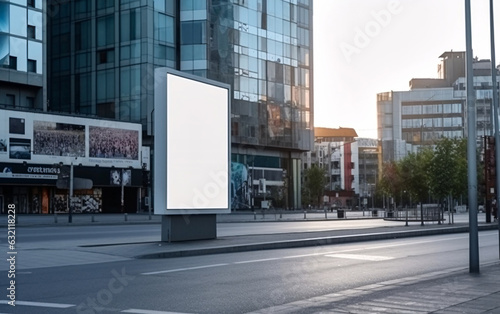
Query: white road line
[[259, 260], [310, 255], [40, 304], [183, 269], [361, 257], [136, 311]]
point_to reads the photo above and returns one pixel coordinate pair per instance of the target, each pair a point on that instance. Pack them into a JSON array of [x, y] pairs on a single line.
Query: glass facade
[[21, 55], [102, 56], [263, 49]]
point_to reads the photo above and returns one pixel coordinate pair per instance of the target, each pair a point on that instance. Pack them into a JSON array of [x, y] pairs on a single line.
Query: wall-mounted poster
[[19, 148], [113, 143], [16, 126], [52, 139], [58, 139]]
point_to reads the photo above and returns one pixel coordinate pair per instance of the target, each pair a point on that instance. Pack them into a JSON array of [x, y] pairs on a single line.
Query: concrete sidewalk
[[444, 292]]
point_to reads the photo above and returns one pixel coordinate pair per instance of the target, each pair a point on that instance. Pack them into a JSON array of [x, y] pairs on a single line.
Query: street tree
[[415, 175], [314, 184], [390, 180]]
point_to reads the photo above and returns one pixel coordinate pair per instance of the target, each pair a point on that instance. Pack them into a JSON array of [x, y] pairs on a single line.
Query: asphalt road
[[61, 236], [239, 282]]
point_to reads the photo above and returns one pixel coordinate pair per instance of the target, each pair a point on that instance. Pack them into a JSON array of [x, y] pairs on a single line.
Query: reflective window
[[132, 51], [193, 32], [104, 4], [105, 30], [4, 18], [30, 102], [130, 82], [164, 28], [10, 100], [82, 35], [31, 65], [82, 60], [106, 110], [31, 32], [130, 25], [106, 56], [105, 84], [82, 6]]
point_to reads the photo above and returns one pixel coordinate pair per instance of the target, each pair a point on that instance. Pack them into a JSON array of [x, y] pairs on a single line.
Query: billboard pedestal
[[188, 227]]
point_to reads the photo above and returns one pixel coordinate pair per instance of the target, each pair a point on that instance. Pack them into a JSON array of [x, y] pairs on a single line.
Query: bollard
[[126, 217], [254, 215], [281, 213], [304, 214], [92, 217], [325, 214]]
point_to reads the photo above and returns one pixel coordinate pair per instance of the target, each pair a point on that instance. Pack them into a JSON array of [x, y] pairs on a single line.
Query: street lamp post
[[122, 194], [70, 216]]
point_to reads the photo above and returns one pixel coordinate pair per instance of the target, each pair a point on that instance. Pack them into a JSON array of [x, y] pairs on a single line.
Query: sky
[[366, 47]]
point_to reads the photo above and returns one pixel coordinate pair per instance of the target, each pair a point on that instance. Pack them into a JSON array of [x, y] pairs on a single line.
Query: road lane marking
[[183, 269], [40, 304], [312, 254], [259, 260], [372, 258], [137, 311]]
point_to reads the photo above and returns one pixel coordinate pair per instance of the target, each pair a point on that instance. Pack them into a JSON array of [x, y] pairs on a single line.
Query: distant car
[[481, 209]]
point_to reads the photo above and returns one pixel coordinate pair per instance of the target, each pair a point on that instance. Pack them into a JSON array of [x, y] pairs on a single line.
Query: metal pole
[[495, 112], [471, 148], [122, 196], [70, 216]]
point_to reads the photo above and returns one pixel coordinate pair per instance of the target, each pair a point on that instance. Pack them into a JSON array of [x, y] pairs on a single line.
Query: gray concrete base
[[176, 228]]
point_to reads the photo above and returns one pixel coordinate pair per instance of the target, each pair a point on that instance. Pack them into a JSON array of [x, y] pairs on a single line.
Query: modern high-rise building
[[21, 55], [434, 108], [101, 56], [22, 77]]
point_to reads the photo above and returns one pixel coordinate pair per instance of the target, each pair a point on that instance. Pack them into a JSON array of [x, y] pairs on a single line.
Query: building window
[[31, 65], [105, 31], [10, 100], [164, 28], [193, 32], [82, 35], [31, 3], [104, 4], [30, 102], [106, 56], [106, 110], [106, 85], [31, 32], [12, 63], [130, 25]]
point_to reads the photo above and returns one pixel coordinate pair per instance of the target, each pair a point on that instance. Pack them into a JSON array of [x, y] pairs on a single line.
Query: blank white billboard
[[191, 144]]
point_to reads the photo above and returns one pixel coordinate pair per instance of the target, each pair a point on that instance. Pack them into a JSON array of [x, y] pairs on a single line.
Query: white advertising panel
[[191, 146], [49, 139]]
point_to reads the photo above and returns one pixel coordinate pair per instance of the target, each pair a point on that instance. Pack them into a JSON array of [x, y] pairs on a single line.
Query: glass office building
[[102, 55]]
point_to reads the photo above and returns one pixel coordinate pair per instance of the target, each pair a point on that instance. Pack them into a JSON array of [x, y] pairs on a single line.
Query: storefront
[[40, 152], [39, 189]]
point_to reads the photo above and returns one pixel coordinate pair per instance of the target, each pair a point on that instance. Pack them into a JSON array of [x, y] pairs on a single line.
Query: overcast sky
[[365, 47]]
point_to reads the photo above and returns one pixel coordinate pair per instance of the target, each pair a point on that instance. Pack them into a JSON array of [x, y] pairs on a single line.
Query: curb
[[313, 242]]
